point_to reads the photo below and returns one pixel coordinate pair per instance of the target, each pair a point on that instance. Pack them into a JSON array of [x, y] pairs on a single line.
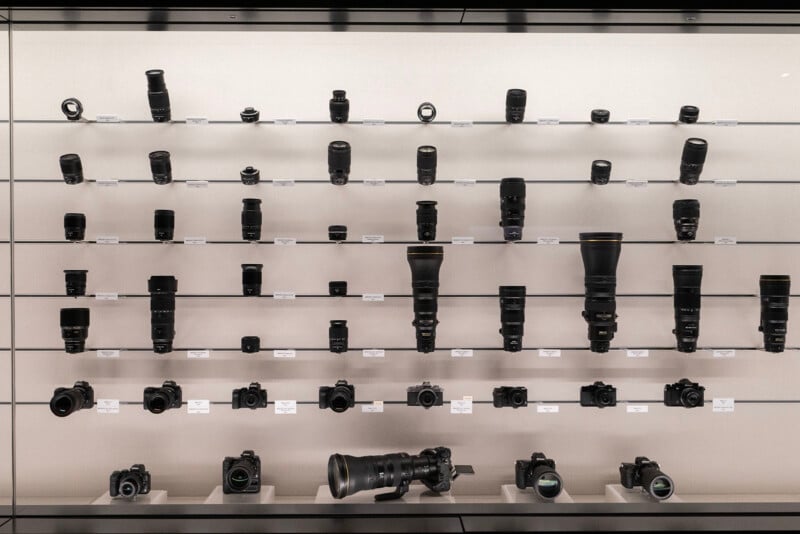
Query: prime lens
[[601, 172], [74, 226], [164, 225], [74, 329], [71, 168], [161, 167], [516, 100]]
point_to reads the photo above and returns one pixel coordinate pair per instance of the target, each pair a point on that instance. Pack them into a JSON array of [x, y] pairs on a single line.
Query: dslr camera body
[[599, 394], [252, 397], [684, 393], [242, 474], [425, 395], [129, 483], [510, 396]]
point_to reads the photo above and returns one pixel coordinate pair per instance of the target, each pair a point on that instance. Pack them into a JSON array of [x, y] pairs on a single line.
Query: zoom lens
[[339, 162], [547, 482], [76, 282], [337, 336], [74, 226], [512, 316], [158, 96], [71, 168], [74, 329], [601, 172], [692, 160], [251, 279], [515, 105], [686, 217], [686, 301], [161, 167], [164, 225], [426, 164], [656, 483], [600, 253], [66, 401], [251, 219], [426, 220], [512, 208], [339, 106], [162, 291], [774, 310], [425, 262]]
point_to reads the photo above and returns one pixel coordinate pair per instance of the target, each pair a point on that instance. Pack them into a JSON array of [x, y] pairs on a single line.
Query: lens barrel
[[657, 484], [75, 280], [547, 483], [74, 226], [249, 114], [686, 217], [512, 316], [426, 164], [337, 233], [686, 300], [74, 329], [158, 96], [339, 162], [164, 225], [515, 105], [339, 106], [251, 279], [162, 291], [692, 160], [425, 262], [71, 168], [161, 167], [337, 336], [426, 220], [601, 172], [66, 401], [512, 208], [600, 252], [689, 114], [250, 176], [251, 219], [774, 294], [600, 116], [242, 474]]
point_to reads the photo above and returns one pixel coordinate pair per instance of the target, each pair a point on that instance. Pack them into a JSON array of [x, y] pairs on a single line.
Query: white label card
[[285, 241], [107, 240], [637, 122], [547, 241], [198, 406], [373, 122], [372, 297], [375, 407], [108, 353], [461, 124], [637, 408], [461, 353], [636, 183], [283, 182], [284, 353], [284, 295], [106, 296], [284, 122], [198, 354], [285, 407], [548, 122], [110, 182], [725, 183], [461, 406], [723, 405], [107, 117], [373, 353], [197, 184], [546, 408], [465, 182], [726, 122], [723, 353], [199, 240], [549, 353], [725, 240], [638, 353], [374, 182], [196, 121], [107, 405], [463, 240], [372, 238]]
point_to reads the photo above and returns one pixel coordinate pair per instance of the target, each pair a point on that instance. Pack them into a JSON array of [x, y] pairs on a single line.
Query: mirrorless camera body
[[338, 398], [160, 399], [599, 395], [510, 396], [425, 395], [129, 483], [684, 393], [539, 474], [242, 474], [251, 397], [647, 474]]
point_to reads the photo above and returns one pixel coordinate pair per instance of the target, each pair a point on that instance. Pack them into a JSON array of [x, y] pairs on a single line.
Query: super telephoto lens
[[339, 162], [686, 279], [512, 208], [692, 160], [425, 262], [774, 291], [251, 219], [161, 167], [600, 252], [426, 220], [162, 291], [74, 329], [426, 165], [164, 225], [516, 100], [158, 96], [512, 316], [547, 482], [601, 172], [71, 168]]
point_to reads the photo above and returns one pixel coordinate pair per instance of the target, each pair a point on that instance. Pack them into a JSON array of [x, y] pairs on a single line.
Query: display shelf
[[513, 495], [265, 496], [152, 498]]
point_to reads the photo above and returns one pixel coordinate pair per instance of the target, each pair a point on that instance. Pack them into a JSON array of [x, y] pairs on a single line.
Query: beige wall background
[[290, 75]]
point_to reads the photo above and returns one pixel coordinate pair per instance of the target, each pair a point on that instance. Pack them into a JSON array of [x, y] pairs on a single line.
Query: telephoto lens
[[252, 397], [515, 105], [74, 329], [161, 167], [76, 282], [774, 310], [426, 165], [348, 475], [251, 219], [162, 291], [250, 176], [425, 395], [684, 393], [510, 397], [338, 397], [160, 399], [251, 279], [242, 474], [74, 226], [158, 96], [337, 336], [689, 114], [249, 114], [129, 483], [339, 162], [72, 109], [600, 116], [337, 233], [66, 401], [512, 317], [601, 172], [600, 252], [251, 344], [164, 225], [425, 262], [692, 160], [337, 288], [686, 217], [71, 168], [426, 220], [647, 474], [686, 300], [599, 395], [539, 474], [512, 208], [339, 106]]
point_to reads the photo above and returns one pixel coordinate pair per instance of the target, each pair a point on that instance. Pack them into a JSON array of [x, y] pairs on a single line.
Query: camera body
[[160, 399], [684, 393], [599, 395], [66, 401], [251, 397], [242, 474], [647, 474], [425, 395], [538, 473], [510, 396], [129, 483], [251, 344], [338, 397]]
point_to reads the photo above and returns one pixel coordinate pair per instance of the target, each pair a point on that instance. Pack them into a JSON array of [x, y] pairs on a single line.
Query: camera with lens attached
[[242, 474], [129, 483], [251, 397], [338, 397], [425, 395], [66, 401], [539, 474], [160, 399], [598, 394], [510, 396], [647, 474], [684, 393]]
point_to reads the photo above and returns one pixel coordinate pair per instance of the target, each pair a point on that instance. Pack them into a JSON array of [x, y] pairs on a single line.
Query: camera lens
[[337, 232], [691, 398], [686, 300], [71, 168], [774, 294], [337, 336], [686, 217], [162, 291], [249, 115], [251, 399], [340, 399], [512, 208], [250, 176], [339, 162], [337, 288], [692, 160], [655, 483], [251, 219], [604, 398], [74, 329], [425, 263], [600, 116], [426, 112], [689, 114], [601, 171], [74, 226], [600, 252], [426, 220], [512, 316], [72, 109], [251, 344], [158, 96], [76, 282], [426, 164], [128, 488], [547, 483], [251, 279], [515, 105], [161, 167], [164, 225], [518, 398], [426, 398], [339, 106], [239, 478], [66, 401]]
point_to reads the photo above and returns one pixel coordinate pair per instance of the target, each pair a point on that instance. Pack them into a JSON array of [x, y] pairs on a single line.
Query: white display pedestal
[[619, 493], [513, 495], [154, 497], [265, 496], [417, 494]]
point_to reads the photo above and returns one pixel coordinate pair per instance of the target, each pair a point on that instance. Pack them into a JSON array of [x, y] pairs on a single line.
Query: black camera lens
[[251, 219], [425, 263], [515, 105], [600, 116], [250, 176], [249, 115], [337, 336], [600, 252], [774, 310], [164, 225], [162, 291], [161, 167], [339, 106], [426, 220], [426, 112], [251, 344], [158, 400], [339, 162], [71, 168], [512, 208], [686, 300], [337, 288], [547, 482], [647, 474], [66, 401], [426, 164], [74, 226], [72, 109], [74, 329], [689, 114], [76, 282], [692, 160], [425, 395], [686, 218], [337, 232], [242, 474], [251, 279], [601, 171], [158, 96], [512, 316]]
